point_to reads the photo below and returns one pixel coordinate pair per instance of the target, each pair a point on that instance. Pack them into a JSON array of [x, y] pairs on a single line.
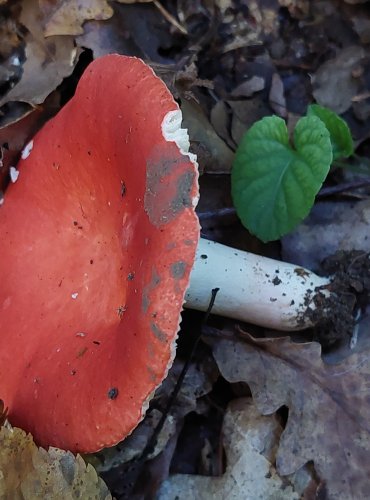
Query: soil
[[336, 315]]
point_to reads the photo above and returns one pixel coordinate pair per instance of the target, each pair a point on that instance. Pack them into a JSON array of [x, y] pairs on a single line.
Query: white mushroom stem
[[254, 289]]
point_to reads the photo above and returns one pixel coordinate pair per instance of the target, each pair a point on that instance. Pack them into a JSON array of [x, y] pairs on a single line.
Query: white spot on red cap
[[14, 174], [74, 295], [27, 150]]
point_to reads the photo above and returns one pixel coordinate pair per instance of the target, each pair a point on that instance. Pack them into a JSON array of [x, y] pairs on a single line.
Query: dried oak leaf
[[329, 406], [32, 473], [66, 17], [48, 61], [249, 440]]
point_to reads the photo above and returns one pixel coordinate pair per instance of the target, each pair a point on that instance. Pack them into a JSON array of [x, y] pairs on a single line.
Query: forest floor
[[293, 421]]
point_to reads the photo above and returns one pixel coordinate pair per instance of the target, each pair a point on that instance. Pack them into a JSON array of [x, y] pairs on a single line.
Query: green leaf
[[273, 185], [340, 134]]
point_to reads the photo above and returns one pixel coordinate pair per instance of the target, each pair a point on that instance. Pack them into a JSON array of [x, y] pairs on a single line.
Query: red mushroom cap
[[98, 237]]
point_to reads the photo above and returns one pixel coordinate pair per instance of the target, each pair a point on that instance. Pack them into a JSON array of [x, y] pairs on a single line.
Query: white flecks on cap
[[1, 198], [27, 150], [74, 295], [14, 174], [172, 131]]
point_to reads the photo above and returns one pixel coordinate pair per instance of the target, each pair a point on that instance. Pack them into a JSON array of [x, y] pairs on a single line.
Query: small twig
[[169, 17], [153, 440], [217, 212], [325, 191], [346, 186], [133, 472]]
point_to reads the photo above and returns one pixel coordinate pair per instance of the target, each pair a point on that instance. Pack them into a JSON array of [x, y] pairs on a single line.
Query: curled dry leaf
[[249, 440], [66, 17], [48, 61], [29, 472], [328, 405]]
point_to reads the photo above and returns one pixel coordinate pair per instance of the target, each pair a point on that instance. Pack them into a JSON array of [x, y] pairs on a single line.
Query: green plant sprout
[[274, 181]]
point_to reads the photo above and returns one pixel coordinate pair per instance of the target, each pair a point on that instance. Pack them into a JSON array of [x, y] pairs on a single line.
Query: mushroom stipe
[[119, 274]]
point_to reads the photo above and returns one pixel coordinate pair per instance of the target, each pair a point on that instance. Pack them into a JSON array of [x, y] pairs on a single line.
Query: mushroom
[[98, 239]]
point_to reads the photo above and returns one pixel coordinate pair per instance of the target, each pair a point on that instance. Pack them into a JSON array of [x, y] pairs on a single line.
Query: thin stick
[[149, 448], [169, 17]]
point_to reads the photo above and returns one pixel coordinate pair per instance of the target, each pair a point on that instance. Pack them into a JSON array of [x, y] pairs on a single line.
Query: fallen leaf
[[331, 226], [220, 118], [250, 441], [48, 61], [214, 155], [361, 25], [66, 17], [328, 406], [333, 83], [105, 38], [297, 8], [249, 87], [9, 36], [245, 114], [30, 473], [276, 96]]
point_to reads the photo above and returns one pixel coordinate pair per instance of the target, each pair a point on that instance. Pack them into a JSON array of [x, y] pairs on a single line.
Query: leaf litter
[[29, 472], [229, 63]]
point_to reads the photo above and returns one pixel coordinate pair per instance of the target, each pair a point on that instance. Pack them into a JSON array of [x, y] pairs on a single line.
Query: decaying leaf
[[48, 61], [249, 87], [214, 155], [334, 84], [330, 227], [328, 406], [276, 96], [65, 17], [250, 441], [30, 473]]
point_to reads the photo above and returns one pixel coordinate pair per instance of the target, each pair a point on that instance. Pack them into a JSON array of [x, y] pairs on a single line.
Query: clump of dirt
[[350, 289]]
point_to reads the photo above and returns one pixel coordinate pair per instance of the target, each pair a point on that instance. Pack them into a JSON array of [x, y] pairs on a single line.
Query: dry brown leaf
[[105, 38], [134, 1], [9, 36], [329, 406], [30, 473], [276, 96], [48, 61], [66, 17], [249, 87], [331, 226], [297, 8], [250, 441], [334, 84], [214, 156], [220, 118]]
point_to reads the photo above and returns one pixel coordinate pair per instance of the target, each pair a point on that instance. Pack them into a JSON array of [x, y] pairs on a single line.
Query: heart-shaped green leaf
[[340, 134], [274, 185]]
